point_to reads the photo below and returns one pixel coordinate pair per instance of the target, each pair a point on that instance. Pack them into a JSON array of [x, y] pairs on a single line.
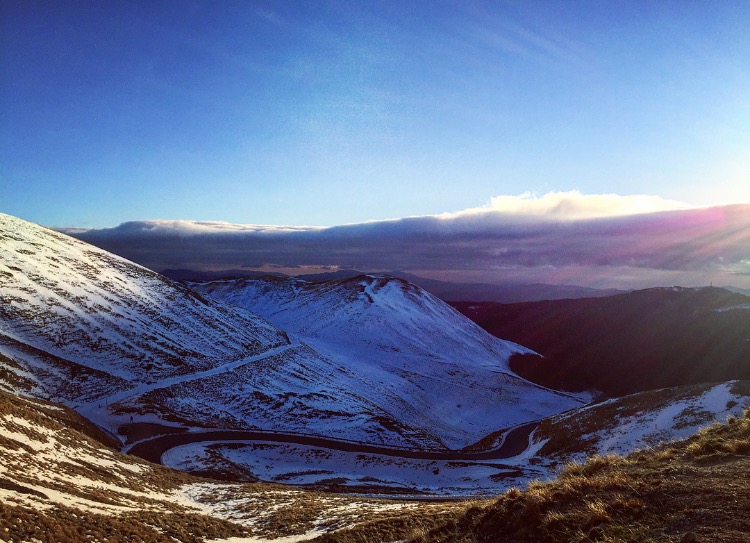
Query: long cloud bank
[[597, 236]]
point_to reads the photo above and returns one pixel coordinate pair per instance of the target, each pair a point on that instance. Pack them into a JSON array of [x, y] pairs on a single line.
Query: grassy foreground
[[59, 483], [694, 491]]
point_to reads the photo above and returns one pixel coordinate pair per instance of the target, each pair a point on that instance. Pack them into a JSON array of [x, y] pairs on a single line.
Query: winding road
[[515, 442]]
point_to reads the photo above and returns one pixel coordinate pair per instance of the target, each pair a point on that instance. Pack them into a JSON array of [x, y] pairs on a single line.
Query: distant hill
[[199, 275], [445, 290], [502, 293], [330, 276], [626, 343], [738, 290]]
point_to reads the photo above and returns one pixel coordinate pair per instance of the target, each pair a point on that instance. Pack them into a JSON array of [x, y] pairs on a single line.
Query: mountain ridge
[[82, 326], [445, 290], [133, 350]]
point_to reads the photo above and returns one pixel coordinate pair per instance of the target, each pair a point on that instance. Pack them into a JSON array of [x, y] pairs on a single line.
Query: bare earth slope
[[621, 344]]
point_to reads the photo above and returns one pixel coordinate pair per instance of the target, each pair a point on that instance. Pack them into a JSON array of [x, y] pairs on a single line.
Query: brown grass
[[296, 517], [700, 487], [65, 525], [411, 524]]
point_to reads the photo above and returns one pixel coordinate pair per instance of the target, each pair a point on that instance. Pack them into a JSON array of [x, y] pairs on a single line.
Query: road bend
[[516, 441]]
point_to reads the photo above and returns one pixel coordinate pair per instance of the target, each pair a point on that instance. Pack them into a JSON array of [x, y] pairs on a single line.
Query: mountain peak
[[413, 354]]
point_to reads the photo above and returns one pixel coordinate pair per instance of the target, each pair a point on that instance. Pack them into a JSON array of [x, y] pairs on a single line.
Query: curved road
[[516, 441]]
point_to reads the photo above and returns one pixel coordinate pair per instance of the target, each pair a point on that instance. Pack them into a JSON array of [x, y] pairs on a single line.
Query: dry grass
[[413, 524], [696, 490], [568, 434], [299, 516], [730, 438], [65, 525]]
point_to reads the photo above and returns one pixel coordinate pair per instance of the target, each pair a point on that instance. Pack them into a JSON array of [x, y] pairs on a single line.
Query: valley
[[347, 402]]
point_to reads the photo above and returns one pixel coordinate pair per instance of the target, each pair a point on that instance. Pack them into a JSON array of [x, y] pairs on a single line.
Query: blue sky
[[326, 113]]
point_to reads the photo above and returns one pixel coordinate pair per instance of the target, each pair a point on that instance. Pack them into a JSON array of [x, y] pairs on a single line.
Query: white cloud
[[570, 205], [580, 239]]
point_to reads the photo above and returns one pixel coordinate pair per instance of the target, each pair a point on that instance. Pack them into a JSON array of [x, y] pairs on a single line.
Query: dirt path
[[98, 409], [516, 441]]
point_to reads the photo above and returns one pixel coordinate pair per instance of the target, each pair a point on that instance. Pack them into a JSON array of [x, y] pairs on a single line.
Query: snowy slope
[[291, 390], [76, 303], [642, 420], [418, 359]]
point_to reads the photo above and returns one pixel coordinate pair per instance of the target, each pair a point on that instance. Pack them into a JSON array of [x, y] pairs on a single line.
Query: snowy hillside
[[68, 309], [640, 421], [624, 425], [417, 358]]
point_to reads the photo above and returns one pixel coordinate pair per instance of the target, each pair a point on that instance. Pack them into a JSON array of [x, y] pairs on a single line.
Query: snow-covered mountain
[[115, 340], [416, 356], [371, 359]]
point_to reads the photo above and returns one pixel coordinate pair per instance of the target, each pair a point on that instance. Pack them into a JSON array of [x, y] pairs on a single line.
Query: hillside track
[[516, 441]]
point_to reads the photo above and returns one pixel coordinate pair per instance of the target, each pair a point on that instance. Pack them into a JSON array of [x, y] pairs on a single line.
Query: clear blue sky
[[289, 112]]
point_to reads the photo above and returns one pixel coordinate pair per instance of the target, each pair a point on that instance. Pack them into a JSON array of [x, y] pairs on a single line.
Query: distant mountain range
[[630, 342], [445, 290]]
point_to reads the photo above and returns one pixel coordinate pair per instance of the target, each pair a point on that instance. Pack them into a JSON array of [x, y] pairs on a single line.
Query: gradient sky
[[327, 113]]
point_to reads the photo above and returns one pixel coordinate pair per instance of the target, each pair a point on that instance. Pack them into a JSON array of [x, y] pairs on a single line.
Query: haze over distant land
[[604, 241]]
